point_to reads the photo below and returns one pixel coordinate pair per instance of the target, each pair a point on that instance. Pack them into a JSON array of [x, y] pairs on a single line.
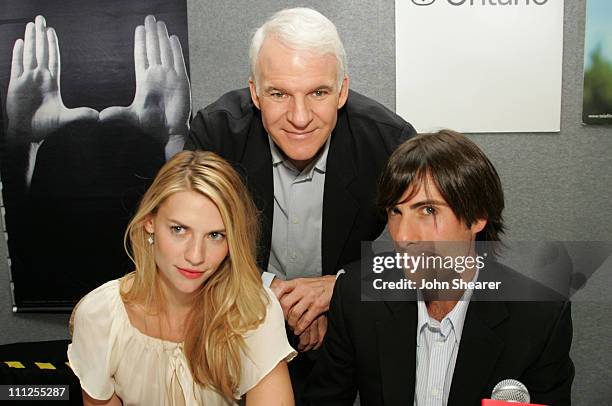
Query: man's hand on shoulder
[[312, 337], [303, 299]]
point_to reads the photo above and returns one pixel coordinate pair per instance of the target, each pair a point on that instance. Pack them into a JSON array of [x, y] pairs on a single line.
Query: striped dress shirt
[[437, 346]]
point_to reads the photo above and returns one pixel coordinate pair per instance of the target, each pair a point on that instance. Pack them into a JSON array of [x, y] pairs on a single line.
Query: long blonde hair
[[232, 301]]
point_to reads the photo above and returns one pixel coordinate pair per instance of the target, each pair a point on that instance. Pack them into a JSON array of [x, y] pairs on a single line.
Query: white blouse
[[109, 355]]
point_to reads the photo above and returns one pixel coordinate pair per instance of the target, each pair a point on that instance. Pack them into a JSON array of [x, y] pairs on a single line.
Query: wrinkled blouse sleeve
[[89, 352], [267, 345]]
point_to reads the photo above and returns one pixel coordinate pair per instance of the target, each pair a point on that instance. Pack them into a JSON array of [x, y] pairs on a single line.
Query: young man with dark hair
[[436, 350]]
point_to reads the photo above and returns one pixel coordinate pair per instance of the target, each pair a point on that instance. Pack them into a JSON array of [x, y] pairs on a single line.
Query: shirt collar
[[455, 318], [277, 156], [319, 163]]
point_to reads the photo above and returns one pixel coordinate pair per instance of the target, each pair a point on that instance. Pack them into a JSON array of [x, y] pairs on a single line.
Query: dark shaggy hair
[[462, 173]]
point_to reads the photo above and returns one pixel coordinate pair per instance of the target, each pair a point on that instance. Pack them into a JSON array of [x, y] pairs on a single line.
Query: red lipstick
[[189, 274]]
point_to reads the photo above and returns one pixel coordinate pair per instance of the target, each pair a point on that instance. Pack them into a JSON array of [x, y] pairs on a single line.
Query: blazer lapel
[[339, 206], [478, 352], [257, 166], [397, 349]]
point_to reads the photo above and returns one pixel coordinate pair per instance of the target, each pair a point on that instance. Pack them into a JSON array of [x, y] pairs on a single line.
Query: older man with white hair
[[311, 152]]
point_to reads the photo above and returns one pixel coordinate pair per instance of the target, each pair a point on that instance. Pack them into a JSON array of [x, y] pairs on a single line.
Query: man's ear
[[253, 90], [149, 224], [343, 92], [478, 225]]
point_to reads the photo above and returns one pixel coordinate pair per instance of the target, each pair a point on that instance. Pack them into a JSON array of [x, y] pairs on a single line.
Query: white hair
[[303, 29]]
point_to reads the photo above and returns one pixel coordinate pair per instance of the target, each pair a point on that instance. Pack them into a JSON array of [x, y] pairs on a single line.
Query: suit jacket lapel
[[397, 349], [478, 352], [339, 206], [257, 163]]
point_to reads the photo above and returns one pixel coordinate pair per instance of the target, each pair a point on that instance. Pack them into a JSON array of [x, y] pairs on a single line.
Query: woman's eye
[[215, 235], [177, 229]]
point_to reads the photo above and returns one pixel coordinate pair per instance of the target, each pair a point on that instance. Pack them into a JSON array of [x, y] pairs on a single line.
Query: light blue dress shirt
[[436, 352], [295, 251]]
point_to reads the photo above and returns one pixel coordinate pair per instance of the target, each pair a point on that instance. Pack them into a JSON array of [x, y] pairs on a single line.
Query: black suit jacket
[[366, 133], [371, 347]]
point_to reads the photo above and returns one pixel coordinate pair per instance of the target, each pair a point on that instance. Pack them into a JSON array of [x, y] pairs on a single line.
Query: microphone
[[509, 392]]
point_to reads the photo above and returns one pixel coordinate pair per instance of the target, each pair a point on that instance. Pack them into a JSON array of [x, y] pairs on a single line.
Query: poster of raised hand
[[95, 97]]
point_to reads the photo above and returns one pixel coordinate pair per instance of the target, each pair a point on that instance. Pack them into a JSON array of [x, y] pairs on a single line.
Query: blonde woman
[[192, 325]]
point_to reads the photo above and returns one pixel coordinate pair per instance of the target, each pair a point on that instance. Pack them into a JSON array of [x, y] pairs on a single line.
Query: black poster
[[95, 97]]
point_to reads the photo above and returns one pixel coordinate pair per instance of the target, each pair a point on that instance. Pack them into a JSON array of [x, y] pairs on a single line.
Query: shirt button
[[295, 220], [434, 392]]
